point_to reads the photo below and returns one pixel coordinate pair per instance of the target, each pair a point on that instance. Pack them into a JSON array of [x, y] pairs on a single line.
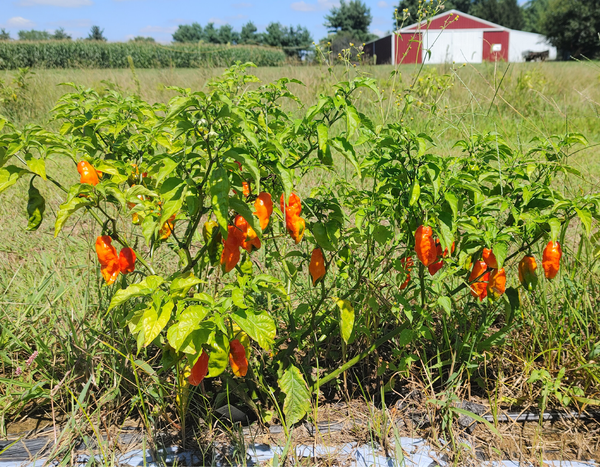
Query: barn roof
[[445, 21]]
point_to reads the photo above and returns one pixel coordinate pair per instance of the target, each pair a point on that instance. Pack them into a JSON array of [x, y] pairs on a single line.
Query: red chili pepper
[[425, 245], [407, 264], [479, 289], [107, 256], [497, 284], [237, 358], [127, 260], [490, 258], [264, 208], [551, 259], [199, 370]]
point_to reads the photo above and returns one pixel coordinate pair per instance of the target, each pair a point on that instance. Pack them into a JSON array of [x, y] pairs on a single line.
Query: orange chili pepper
[[479, 289], [527, 274], [296, 228], [425, 245], [127, 260], [497, 284], [294, 206], [490, 258], [264, 208], [199, 370], [317, 266], [551, 259], [88, 173], [237, 358], [167, 229], [246, 189], [407, 264], [107, 256]]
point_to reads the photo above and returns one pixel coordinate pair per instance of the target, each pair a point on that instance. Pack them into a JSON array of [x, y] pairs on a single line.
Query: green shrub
[[89, 54]]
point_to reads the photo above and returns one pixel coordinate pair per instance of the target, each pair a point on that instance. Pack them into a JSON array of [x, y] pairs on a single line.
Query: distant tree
[[533, 13], [249, 35], [61, 35], [507, 13], [227, 35], [211, 34], [4, 35], [142, 39], [34, 35], [418, 10], [189, 33], [572, 26], [96, 34], [353, 17], [294, 41]]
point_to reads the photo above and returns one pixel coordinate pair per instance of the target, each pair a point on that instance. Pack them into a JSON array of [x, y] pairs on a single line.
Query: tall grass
[[94, 54]]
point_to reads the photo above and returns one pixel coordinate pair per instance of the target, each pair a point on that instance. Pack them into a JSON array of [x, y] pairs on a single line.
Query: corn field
[[88, 54]]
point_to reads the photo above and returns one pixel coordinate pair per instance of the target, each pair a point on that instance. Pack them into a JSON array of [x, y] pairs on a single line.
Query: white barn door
[[453, 46]]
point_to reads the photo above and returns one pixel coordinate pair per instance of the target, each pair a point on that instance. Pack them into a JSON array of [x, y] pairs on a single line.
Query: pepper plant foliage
[[170, 172]]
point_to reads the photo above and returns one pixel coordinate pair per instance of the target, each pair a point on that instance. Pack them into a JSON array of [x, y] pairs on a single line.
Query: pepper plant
[[270, 276]]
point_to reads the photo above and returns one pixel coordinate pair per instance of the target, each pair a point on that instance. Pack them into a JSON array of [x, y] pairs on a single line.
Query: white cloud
[[18, 22], [382, 4], [379, 32], [59, 3]]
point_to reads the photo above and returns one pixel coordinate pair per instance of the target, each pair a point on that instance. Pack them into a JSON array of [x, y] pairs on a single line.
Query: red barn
[[454, 36]]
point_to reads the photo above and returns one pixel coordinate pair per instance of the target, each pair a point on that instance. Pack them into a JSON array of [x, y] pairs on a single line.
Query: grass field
[[50, 296]]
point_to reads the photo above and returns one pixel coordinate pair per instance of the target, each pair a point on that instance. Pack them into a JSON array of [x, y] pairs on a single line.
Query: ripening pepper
[[478, 288], [407, 264], [237, 358], [248, 233], [231, 247], [251, 245], [527, 274], [246, 189], [207, 230], [107, 256], [167, 229], [127, 260], [295, 227], [551, 259], [425, 245], [317, 266], [293, 207], [88, 173], [490, 258], [264, 208], [497, 284], [199, 370]]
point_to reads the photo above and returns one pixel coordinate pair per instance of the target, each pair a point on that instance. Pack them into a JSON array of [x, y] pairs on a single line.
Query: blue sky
[[123, 19]]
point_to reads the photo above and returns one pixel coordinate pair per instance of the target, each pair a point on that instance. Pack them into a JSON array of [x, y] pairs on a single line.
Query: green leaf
[[321, 235], [155, 324], [287, 179], [237, 296], [172, 192], [219, 355], [188, 321], [37, 166], [346, 318], [453, 202], [259, 326], [500, 252], [323, 135], [66, 210], [248, 163], [347, 150], [554, 228], [35, 207], [352, 120], [181, 284], [585, 217], [415, 193], [147, 287], [445, 303], [219, 192], [446, 227], [297, 395], [9, 176]]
